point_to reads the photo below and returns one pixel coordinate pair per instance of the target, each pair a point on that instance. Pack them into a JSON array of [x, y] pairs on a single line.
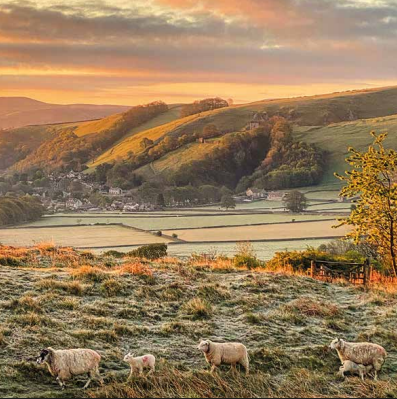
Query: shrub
[[152, 251], [114, 254], [250, 262], [9, 261]]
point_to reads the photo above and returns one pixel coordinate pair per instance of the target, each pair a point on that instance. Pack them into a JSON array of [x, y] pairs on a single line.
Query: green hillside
[[303, 111], [336, 139]]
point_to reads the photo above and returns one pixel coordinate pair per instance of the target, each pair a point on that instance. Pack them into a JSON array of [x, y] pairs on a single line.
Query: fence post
[[313, 269], [366, 272]]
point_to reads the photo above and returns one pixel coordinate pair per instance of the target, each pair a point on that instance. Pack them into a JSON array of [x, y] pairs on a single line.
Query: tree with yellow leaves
[[372, 179]]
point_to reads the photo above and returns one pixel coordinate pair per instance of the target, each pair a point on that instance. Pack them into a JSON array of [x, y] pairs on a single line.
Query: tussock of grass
[[310, 307], [198, 308], [89, 273], [111, 288], [71, 287]]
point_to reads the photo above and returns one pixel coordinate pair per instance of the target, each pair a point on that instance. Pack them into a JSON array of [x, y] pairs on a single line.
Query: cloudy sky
[[136, 51]]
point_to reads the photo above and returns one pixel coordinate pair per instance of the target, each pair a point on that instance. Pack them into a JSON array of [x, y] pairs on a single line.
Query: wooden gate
[[355, 273]]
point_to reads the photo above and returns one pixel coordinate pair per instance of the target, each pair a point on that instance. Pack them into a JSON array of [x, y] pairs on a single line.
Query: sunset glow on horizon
[[130, 52]]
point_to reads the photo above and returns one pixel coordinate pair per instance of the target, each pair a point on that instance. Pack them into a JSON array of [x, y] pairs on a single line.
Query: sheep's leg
[[213, 368], [376, 375], [151, 371], [233, 368], [245, 363], [61, 383]]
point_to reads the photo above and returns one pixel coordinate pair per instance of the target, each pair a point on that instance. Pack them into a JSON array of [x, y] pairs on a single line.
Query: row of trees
[[207, 104], [15, 210]]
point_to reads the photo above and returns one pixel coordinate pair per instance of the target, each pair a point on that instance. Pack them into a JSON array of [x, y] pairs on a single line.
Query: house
[[276, 196], [116, 191], [256, 193], [258, 120], [74, 203]]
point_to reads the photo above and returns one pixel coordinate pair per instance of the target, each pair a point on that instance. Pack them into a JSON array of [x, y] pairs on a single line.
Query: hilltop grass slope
[[338, 137], [60, 298]]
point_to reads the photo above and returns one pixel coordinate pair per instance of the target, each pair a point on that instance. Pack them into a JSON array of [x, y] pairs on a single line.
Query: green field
[[162, 223], [337, 138]]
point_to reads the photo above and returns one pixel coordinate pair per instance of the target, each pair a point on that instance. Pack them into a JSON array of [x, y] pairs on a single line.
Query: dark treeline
[[207, 104], [15, 210], [288, 164], [67, 150]]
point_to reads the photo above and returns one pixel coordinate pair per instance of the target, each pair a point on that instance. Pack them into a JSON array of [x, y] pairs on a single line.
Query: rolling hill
[[302, 111], [333, 122], [19, 111]]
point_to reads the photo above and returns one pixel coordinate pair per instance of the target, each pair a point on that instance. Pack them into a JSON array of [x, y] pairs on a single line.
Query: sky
[[136, 51]]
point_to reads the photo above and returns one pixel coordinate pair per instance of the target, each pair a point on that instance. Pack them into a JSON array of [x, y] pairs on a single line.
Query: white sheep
[[138, 364], [224, 353], [354, 368], [364, 353], [64, 364]]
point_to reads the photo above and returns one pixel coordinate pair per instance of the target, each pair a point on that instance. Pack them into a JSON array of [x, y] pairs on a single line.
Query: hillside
[[75, 144], [19, 111], [337, 138], [302, 111], [165, 308], [164, 144]]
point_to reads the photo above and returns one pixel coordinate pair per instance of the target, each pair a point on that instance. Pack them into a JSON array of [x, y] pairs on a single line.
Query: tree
[[295, 201], [227, 202], [160, 200], [373, 179], [210, 131]]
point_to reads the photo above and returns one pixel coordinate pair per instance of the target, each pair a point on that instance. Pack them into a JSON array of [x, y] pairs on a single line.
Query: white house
[[256, 193], [276, 196], [116, 191], [74, 203]]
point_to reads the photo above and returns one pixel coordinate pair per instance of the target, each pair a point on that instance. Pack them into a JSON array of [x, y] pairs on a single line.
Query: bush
[[152, 251], [250, 262], [114, 254]]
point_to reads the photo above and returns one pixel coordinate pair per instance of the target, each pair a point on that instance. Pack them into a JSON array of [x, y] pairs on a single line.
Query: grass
[[286, 322]]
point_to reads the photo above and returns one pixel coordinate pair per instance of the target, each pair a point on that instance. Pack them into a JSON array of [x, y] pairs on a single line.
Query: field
[[263, 232], [81, 237], [176, 221], [166, 307], [337, 138]]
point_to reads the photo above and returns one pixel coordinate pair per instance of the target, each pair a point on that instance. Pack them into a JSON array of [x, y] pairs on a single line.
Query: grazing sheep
[[140, 363], [229, 353], [64, 364], [364, 353], [354, 368]]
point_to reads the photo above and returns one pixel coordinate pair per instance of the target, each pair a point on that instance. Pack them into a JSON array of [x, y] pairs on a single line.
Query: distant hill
[[20, 111]]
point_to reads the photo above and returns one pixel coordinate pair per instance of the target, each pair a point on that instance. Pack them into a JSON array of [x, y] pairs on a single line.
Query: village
[[74, 191]]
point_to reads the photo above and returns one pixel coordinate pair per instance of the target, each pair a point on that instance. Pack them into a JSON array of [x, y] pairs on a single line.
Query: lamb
[[366, 354], [228, 353], [140, 363], [64, 364], [354, 368]]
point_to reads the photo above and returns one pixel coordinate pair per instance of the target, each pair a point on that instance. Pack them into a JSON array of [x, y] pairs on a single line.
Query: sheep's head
[[45, 356], [337, 344], [204, 346], [128, 357]]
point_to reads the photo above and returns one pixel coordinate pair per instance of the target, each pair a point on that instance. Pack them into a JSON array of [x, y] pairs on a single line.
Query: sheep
[[364, 353], [354, 368], [64, 364], [229, 353], [140, 363]]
